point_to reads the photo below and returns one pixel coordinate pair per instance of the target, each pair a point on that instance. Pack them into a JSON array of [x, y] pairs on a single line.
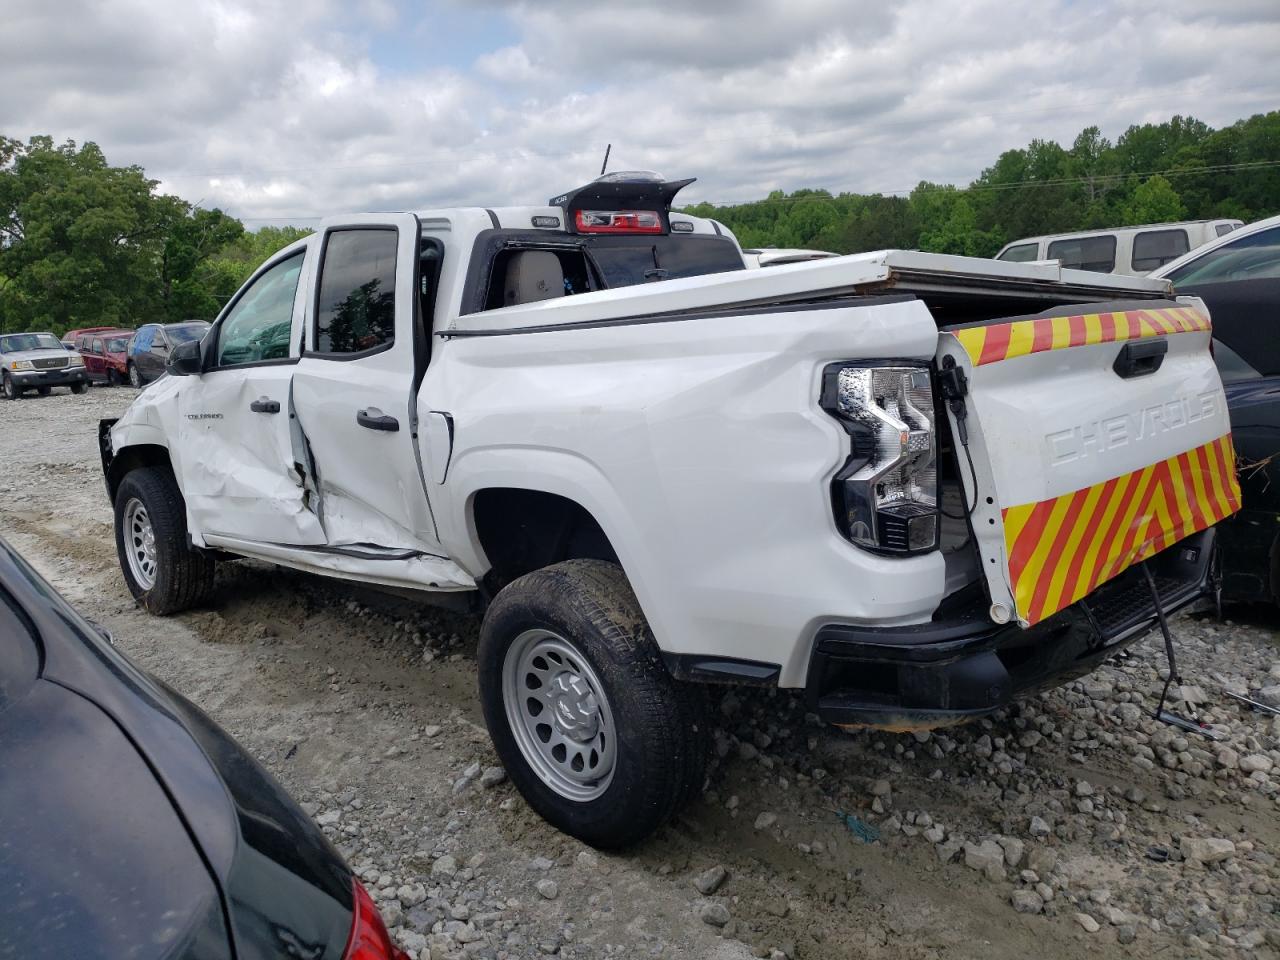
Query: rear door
[[93, 360], [241, 476], [353, 389], [1096, 439]]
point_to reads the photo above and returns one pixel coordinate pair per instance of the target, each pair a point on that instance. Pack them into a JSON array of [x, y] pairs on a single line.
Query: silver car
[[38, 361]]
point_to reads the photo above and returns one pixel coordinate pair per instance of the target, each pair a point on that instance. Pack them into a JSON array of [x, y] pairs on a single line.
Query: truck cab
[[915, 486]]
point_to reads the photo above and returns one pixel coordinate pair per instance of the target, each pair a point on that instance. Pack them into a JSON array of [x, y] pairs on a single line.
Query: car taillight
[[886, 495], [618, 221], [369, 939]]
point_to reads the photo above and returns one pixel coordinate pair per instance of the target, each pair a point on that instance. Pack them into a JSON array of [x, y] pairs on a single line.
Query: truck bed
[[957, 289]]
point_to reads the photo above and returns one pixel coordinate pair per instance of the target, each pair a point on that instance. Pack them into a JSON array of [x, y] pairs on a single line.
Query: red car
[[105, 355]]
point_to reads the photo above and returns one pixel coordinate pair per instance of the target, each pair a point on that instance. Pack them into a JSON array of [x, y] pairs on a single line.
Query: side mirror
[[184, 360]]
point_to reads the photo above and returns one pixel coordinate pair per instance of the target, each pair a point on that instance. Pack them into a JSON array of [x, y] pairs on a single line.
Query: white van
[[1128, 250]]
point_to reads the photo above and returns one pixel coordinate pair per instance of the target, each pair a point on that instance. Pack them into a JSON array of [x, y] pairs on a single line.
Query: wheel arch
[[131, 458], [522, 529]]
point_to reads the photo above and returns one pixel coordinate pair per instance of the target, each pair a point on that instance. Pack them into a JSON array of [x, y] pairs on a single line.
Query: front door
[[353, 389], [241, 474], [151, 361]]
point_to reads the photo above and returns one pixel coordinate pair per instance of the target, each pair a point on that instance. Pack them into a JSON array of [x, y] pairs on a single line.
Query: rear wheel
[[135, 378], [9, 388], [80, 387], [44, 391], [590, 726], [113, 378], [163, 573]]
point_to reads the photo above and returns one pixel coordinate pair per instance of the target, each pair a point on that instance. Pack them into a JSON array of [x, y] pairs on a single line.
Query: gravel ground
[[1071, 825]]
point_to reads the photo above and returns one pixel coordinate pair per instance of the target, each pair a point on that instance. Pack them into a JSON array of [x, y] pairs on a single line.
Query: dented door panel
[[239, 474]]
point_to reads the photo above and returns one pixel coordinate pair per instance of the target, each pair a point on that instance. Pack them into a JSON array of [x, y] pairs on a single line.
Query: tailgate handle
[[1140, 357]]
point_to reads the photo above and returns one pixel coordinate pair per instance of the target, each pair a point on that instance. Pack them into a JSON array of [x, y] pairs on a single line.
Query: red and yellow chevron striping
[[1061, 549], [1004, 341]]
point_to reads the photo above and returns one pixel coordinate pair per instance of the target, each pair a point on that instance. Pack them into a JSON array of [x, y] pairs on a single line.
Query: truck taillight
[[886, 495], [369, 939], [618, 221]]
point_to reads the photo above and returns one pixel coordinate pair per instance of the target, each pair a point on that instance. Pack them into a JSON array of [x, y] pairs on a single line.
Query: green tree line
[[83, 243], [1153, 173]]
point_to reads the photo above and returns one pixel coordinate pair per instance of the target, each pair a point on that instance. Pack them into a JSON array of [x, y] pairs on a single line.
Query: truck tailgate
[[1097, 440]]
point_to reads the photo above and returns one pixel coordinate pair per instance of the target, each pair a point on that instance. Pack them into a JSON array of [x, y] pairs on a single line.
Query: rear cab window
[[593, 262], [1022, 253], [1096, 253], [1152, 249]]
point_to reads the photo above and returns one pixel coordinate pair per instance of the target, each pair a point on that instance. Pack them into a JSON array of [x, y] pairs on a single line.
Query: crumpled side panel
[[238, 472]]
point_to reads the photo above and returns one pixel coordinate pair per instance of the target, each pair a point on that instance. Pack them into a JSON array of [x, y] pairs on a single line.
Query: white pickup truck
[[914, 485]]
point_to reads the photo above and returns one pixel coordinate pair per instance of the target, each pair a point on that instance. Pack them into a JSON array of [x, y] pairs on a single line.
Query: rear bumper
[[951, 670], [27, 379]]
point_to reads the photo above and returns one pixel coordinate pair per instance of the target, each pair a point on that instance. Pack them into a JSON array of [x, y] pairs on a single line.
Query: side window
[[356, 308], [1022, 253], [1254, 257], [1223, 229], [96, 347], [159, 342], [258, 325], [143, 339], [1154, 248], [1096, 253]]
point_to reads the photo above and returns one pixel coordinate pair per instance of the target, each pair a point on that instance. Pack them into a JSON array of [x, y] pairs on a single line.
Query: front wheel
[[44, 391], [9, 388], [590, 726], [162, 572], [80, 387], [135, 378]]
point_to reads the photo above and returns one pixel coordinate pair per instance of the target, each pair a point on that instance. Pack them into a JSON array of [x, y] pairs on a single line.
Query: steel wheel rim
[[140, 543], [559, 715]]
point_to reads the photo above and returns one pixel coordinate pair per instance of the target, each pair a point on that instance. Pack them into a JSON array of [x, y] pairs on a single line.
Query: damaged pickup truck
[[915, 486]]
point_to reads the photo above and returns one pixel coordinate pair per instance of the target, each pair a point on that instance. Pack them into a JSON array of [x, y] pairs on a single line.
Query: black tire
[[81, 387], [183, 576], [135, 378], [662, 736], [9, 389], [113, 378], [44, 391]]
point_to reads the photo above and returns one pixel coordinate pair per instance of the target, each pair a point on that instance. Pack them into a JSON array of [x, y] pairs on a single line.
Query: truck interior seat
[[533, 275]]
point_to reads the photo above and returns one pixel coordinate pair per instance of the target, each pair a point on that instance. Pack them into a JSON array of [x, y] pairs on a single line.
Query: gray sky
[[288, 110]]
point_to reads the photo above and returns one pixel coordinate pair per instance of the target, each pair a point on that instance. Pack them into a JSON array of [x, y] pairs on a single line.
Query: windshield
[[117, 344], [187, 332], [29, 341], [1252, 257]]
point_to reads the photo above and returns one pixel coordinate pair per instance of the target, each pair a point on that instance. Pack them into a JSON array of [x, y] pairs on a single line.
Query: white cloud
[[276, 109]]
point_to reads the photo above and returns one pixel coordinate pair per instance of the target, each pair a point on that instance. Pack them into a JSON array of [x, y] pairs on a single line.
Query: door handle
[[375, 419], [265, 405], [1140, 357]]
